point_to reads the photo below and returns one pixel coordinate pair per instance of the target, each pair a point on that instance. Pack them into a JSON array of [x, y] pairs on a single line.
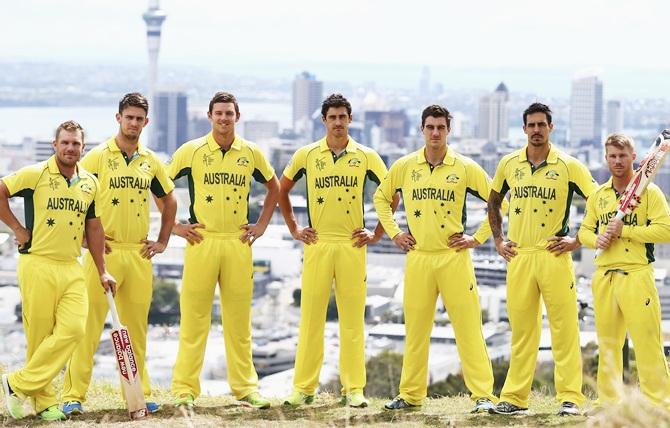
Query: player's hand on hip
[[562, 244], [151, 248], [189, 232], [364, 237], [506, 249], [108, 282], [21, 236], [404, 241], [251, 232], [308, 235], [462, 241], [108, 248]]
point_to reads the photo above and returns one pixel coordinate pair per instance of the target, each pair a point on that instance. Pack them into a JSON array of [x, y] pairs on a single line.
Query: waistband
[[625, 270], [531, 249], [125, 245], [49, 260], [220, 235], [434, 252]]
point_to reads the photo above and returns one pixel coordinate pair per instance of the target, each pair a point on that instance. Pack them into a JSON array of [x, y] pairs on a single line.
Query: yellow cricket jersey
[[125, 186], [434, 198], [218, 181], [647, 224], [335, 185], [540, 197], [55, 210]]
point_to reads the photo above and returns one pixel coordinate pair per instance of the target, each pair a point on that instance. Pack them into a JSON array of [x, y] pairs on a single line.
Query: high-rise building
[[586, 111], [154, 18], [170, 120], [614, 116], [307, 97], [494, 115], [260, 130]]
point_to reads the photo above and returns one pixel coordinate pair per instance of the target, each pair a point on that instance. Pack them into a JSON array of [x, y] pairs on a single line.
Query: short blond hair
[[620, 141]]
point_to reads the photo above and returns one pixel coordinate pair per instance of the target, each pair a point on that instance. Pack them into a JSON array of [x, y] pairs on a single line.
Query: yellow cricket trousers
[[532, 275], [134, 278], [324, 261], [450, 274], [224, 259], [628, 300], [53, 294]]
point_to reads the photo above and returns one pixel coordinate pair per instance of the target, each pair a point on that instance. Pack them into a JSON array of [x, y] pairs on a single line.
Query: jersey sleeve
[[384, 196], [93, 208], [581, 180], [180, 164], [22, 180], [263, 171], [91, 162], [376, 168], [161, 184], [499, 183], [588, 231], [296, 166], [657, 229]]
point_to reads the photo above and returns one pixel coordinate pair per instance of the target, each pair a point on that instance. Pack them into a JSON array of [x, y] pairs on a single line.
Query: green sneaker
[[52, 413], [185, 400], [255, 400], [13, 402], [298, 399], [355, 399]]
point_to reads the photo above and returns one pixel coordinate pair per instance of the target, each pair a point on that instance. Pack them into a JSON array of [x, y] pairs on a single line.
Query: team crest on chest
[[452, 178], [416, 175], [54, 183], [354, 163], [242, 161], [603, 202], [551, 175], [207, 160], [518, 174], [145, 166], [320, 164]]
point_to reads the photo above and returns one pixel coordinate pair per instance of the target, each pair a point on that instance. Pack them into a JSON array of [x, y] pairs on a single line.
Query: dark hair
[[70, 126], [436, 111], [335, 101], [134, 99], [224, 97], [537, 108]]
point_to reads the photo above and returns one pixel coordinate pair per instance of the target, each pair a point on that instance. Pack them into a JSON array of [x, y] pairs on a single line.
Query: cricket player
[[434, 182], [541, 181], [335, 168], [128, 173], [219, 168], [62, 206], [624, 292]]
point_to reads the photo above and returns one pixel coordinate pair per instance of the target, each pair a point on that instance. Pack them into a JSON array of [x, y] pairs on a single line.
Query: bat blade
[[130, 380]]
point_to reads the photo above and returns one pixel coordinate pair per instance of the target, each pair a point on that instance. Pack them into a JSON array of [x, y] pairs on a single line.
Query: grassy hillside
[[105, 409]]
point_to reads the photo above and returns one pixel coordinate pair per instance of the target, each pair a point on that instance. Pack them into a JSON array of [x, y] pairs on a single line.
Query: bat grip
[[116, 323], [619, 215]]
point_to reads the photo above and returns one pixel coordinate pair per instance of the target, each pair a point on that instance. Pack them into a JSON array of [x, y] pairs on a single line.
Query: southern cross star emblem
[[417, 213], [517, 210], [416, 175], [209, 199], [112, 164], [320, 164], [319, 200], [518, 174], [53, 183], [115, 201], [51, 222]]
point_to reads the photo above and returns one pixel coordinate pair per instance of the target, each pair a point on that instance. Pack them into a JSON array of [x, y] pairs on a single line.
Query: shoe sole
[[252, 406], [515, 413], [75, 412], [5, 389], [568, 413]]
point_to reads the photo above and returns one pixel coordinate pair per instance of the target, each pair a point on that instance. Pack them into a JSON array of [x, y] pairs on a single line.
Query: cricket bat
[[125, 357], [644, 174]]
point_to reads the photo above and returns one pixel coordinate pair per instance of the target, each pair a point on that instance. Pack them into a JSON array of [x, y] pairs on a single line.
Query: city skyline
[[529, 50]]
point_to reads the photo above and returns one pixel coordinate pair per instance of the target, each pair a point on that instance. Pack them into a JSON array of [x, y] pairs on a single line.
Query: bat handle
[[619, 215], [116, 323]]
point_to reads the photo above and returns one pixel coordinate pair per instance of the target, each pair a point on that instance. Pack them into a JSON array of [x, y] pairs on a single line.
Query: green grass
[[105, 408]]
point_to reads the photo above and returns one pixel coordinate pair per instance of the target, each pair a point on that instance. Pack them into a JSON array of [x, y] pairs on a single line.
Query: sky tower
[[154, 18]]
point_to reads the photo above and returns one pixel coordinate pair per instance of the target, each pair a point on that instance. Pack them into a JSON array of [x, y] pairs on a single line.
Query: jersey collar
[[352, 145], [449, 157], [214, 146], [114, 147], [552, 157], [53, 167]]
